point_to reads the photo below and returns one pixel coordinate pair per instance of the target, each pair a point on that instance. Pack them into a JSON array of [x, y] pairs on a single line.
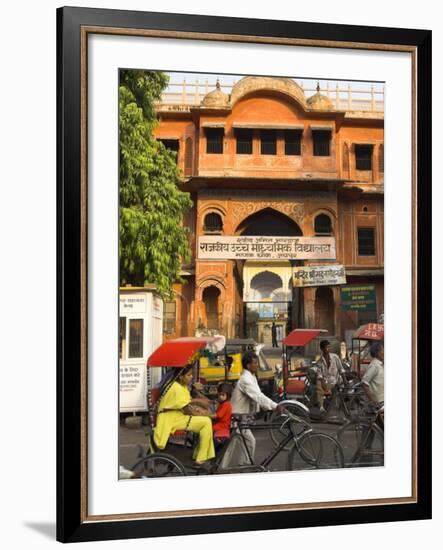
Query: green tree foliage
[[153, 241]]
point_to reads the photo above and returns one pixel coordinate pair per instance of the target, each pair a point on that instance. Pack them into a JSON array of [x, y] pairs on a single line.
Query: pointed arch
[[268, 222]]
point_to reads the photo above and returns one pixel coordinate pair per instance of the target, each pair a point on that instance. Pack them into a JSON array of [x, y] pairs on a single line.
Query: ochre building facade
[[265, 160]]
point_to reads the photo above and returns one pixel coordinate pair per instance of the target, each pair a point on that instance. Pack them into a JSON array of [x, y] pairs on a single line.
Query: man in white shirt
[[373, 382], [247, 399], [329, 373]]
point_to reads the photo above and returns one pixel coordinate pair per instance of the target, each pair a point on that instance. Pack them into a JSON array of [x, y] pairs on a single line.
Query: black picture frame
[[72, 523]]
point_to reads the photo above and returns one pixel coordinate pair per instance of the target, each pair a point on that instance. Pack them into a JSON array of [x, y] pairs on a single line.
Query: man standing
[[247, 399], [373, 382], [329, 372], [274, 335]]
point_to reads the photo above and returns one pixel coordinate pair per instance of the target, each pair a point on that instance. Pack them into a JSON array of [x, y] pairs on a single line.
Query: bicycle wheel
[[158, 465], [363, 443], [318, 451], [351, 406], [278, 429]]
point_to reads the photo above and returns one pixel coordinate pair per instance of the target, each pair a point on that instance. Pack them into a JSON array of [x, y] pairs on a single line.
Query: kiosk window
[[135, 338], [122, 338], [169, 317]]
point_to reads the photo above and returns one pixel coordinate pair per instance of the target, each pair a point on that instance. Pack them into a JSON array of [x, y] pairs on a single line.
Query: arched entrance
[[324, 309], [268, 296], [269, 222], [265, 285], [211, 301]]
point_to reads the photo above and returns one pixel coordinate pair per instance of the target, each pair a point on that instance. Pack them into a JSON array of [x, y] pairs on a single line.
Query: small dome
[[216, 98], [319, 102]]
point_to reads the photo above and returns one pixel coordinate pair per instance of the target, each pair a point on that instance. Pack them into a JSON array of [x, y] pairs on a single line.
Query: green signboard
[[358, 298]]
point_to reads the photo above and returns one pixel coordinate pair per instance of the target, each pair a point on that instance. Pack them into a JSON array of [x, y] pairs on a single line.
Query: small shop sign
[[319, 275], [358, 298]]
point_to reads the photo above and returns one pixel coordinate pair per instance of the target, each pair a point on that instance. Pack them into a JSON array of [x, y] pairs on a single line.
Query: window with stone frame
[[323, 225], [214, 141], [244, 139], [213, 223], [363, 157], [366, 241], [172, 145], [268, 142], [293, 142], [321, 143]]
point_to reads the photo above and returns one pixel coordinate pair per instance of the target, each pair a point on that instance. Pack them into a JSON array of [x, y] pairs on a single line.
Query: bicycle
[[362, 438], [347, 398], [315, 449]]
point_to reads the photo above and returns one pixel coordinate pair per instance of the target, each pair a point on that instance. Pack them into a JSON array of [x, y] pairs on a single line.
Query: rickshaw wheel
[[363, 443], [318, 451], [279, 430], [158, 465]]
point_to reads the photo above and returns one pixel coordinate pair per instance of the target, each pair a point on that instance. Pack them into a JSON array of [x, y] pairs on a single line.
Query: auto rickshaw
[[226, 366]]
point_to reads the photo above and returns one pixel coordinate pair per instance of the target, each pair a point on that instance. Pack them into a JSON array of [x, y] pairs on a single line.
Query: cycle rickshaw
[[309, 449], [363, 337], [296, 378]]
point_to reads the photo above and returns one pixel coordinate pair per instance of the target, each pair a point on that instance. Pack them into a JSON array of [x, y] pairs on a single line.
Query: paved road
[[131, 440]]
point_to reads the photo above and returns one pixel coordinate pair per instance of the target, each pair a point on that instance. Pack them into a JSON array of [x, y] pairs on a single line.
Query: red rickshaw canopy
[[301, 336], [371, 331], [178, 352]]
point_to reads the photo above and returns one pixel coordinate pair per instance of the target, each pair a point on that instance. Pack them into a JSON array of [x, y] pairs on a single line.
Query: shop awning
[[301, 337]]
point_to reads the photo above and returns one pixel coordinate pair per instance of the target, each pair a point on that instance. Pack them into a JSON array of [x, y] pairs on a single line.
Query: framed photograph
[[229, 192]]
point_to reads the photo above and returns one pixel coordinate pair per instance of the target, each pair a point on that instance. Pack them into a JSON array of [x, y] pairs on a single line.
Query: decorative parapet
[[355, 102]]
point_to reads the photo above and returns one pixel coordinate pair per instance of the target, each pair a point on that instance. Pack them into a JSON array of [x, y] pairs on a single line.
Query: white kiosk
[[140, 333]]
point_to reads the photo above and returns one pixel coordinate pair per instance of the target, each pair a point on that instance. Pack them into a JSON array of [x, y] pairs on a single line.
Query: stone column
[[309, 307], [375, 162], [337, 318]]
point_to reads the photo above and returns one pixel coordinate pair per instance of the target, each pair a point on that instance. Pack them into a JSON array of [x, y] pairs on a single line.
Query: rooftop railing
[[186, 94]]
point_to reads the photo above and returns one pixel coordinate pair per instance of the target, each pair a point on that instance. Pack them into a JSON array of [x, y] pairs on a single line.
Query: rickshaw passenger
[[173, 415], [223, 415]]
